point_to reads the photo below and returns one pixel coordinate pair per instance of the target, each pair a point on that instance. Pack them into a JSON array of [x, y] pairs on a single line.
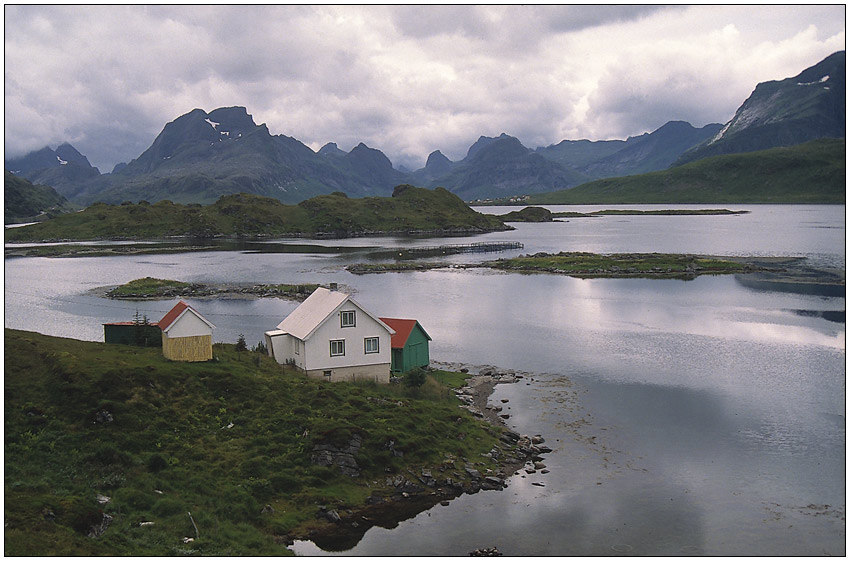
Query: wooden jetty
[[453, 249]]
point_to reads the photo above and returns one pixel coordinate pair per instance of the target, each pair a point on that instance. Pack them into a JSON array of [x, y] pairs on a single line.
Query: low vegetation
[[814, 172], [410, 210], [216, 452]]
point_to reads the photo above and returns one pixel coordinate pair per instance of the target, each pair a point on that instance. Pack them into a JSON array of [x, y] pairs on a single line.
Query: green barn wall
[[415, 353]]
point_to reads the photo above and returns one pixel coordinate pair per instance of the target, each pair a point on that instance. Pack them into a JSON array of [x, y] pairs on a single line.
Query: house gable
[[318, 309], [183, 321]]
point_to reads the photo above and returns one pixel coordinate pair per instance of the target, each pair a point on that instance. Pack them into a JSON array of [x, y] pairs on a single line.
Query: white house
[[332, 337], [186, 334]]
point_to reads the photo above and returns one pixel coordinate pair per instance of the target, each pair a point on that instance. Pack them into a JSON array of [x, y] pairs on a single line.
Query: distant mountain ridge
[[201, 156], [58, 168]]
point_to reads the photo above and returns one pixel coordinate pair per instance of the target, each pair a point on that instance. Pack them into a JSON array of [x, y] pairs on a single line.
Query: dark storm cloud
[[404, 79]]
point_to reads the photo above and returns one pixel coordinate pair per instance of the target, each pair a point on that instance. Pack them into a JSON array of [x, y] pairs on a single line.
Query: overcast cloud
[[403, 79]]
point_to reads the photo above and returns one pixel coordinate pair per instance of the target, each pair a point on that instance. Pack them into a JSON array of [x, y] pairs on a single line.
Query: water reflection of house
[[330, 336], [409, 344], [186, 334]]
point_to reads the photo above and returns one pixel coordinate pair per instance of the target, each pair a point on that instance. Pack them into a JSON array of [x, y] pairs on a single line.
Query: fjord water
[[697, 417]]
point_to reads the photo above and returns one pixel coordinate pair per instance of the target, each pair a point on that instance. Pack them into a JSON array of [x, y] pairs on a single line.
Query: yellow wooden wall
[[188, 349]]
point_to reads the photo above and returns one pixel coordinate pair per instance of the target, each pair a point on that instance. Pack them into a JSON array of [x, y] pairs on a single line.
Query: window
[[297, 347], [346, 319], [328, 373], [338, 347], [371, 345]]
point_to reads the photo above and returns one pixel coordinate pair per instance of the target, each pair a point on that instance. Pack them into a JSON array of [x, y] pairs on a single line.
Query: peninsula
[[114, 450], [410, 210]]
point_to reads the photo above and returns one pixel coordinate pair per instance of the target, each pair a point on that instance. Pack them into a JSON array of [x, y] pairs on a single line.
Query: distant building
[[186, 334], [132, 333], [409, 344], [332, 337]]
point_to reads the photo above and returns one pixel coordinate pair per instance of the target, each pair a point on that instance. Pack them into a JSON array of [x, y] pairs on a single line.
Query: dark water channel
[[702, 417]]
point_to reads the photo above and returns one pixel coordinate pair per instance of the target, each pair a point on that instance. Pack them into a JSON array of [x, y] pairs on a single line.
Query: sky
[[404, 79]]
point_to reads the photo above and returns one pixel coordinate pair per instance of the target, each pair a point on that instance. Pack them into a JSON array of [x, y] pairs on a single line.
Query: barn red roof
[[172, 314], [402, 328]]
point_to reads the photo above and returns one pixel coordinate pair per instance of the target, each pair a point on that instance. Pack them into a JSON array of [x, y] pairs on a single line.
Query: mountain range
[[201, 156]]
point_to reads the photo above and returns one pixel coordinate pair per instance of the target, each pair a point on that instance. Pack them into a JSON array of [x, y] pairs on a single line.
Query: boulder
[[328, 455]]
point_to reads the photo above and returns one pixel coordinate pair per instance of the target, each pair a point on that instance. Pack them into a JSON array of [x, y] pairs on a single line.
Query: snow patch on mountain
[[821, 81]]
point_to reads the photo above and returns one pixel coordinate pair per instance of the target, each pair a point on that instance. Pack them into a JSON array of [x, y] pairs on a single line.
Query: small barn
[[186, 334], [409, 345], [132, 333]]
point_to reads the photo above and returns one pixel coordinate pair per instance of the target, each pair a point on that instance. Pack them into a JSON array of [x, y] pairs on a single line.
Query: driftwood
[[197, 535]]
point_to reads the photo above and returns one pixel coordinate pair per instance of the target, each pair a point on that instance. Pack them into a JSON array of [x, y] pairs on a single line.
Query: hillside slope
[[25, 202], [114, 450], [409, 210], [786, 112], [814, 172]]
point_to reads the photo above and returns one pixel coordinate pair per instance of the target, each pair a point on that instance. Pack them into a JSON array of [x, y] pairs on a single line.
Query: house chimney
[[333, 286]]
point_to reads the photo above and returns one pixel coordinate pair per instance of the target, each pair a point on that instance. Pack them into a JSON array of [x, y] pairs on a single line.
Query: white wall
[[188, 325], [317, 351]]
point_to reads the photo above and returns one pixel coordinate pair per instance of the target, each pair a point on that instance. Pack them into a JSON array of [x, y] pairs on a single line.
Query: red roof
[[172, 315], [402, 328]]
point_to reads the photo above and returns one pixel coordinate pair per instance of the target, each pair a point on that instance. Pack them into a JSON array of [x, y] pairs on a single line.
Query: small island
[[590, 265], [152, 288], [624, 265], [540, 214]]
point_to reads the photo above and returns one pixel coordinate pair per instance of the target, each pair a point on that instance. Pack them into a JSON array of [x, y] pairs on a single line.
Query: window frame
[[340, 344], [376, 340], [343, 314]]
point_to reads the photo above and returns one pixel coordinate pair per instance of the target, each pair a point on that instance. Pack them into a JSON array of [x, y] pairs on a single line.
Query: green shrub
[[138, 500], [156, 463], [107, 454], [167, 506]]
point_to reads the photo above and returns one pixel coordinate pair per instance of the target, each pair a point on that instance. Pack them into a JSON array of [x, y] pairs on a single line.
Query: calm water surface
[[687, 417]]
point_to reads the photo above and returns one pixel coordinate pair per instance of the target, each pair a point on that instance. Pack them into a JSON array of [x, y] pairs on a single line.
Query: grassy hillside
[[220, 440], [25, 202], [410, 209], [814, 172]]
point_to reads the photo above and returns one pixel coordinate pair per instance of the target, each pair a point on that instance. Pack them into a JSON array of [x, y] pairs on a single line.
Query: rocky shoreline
[[404, 495]]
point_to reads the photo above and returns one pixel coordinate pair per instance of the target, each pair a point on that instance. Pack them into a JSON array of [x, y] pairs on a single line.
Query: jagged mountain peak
[[484, 141], [331, 149], [437, 159]]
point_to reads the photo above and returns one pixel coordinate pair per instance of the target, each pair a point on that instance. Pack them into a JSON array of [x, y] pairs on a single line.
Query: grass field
[[220, 440]]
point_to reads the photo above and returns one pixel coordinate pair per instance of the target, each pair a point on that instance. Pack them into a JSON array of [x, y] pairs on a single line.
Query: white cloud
[[404, 79]]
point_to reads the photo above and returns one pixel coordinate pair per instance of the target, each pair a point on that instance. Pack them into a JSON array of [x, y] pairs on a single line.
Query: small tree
[[414, 379], [241, 345], [140, 329]]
